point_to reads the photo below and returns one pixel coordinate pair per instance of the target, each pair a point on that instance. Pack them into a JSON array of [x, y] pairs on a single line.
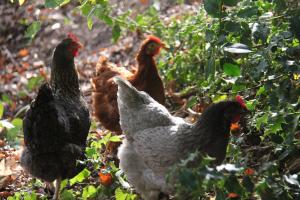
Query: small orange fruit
[[232, 195], [105, 177], [249, 171]]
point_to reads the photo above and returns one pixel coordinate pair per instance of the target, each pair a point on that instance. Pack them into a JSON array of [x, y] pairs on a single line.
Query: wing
[[45, 124], [160, 147], [105, 94]]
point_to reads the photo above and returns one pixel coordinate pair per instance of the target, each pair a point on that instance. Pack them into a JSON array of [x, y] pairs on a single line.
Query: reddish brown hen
[[145, 78]]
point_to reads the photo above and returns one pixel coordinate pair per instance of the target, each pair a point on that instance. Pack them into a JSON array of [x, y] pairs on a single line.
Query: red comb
[[241, 101], [73, 37], [154, 39]]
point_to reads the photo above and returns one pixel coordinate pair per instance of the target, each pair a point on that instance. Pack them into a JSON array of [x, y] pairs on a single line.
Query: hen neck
[[146, 68], [64, 78]]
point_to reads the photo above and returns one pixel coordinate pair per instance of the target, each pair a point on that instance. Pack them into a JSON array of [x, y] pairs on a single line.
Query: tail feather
[[128, 94]]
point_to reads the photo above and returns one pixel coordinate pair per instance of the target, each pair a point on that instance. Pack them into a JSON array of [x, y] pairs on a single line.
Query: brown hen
[[145, 78]]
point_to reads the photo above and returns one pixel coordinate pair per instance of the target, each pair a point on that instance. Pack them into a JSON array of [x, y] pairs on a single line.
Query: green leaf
[[261, 91], [115, 138], [1, 110], [232, 26], [210, 68], [106, 19], [232, 70], [213, 7], [33, 29], [233, 185], [219, 98], [261, 120], [80, 177], [248, 12], [34, 82], [116, 33], [192, 101], [17, 122], [86, 8], [231, 2], [89, 192], [120, 194], [67, 195], [238, 87], [248, 184], [90, 23], [55, 3]]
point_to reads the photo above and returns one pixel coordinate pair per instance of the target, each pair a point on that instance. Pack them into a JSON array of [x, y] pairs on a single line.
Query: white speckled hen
[[58, 121], [155, 140]]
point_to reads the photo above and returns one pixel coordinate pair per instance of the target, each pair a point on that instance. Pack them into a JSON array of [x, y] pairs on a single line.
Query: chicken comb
[[73, 37], [154, 39], [241, 101]]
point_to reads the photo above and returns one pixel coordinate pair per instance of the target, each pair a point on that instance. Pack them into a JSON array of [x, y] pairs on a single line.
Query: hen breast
[[55, 132]]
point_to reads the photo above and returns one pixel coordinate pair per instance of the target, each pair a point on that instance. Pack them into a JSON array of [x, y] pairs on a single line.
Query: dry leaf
[[5, 181], [6, 194], [5, 168], [145, 2], [23, 52]]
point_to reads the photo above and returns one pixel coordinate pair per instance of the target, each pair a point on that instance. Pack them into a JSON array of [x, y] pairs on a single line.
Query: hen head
[[69, 47], [235, 110], [152, 45]]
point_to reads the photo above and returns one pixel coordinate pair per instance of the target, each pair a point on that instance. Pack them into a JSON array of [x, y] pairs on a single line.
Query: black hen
[[57, 124]]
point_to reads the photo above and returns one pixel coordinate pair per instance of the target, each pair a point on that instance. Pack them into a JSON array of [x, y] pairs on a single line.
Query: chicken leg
[[57, 189]]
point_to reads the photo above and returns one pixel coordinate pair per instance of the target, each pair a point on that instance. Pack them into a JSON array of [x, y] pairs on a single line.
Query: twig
[[9, 55]]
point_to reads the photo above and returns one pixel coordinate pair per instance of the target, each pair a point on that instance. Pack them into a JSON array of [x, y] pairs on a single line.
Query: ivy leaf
[[248, 12], [213, 7], [231, 70], [232, 26], [116, 33], [33, 29], [231, 2], [261, 120]]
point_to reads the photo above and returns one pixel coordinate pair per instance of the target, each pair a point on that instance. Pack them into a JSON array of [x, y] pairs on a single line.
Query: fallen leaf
[[145, 2], [5, 168], [23, 53], [2, 143], [5, 181], [6, 194]]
